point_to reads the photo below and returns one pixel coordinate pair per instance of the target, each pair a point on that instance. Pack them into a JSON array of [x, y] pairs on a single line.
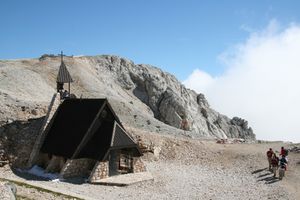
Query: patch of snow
[[38, 171], [56, 180]]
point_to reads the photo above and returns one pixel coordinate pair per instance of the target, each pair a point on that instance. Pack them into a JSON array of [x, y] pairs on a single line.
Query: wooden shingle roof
[[86, 128], [63, 74], [120, 138]]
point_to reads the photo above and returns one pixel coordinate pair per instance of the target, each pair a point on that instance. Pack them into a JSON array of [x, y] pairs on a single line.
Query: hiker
[[274, 163], [269, 156], [282, 167]]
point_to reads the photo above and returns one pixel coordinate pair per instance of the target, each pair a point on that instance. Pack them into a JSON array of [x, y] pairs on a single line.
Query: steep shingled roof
[[86, 128], [120, 138], [63, 74]]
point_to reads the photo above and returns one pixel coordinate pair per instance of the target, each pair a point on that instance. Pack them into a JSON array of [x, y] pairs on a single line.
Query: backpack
[[283, 162], [286, 152]]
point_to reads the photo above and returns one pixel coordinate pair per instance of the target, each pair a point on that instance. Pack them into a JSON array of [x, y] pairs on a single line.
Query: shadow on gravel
[[273, 181], [259, 170], [269, 180], [262, 175], [265, 176]]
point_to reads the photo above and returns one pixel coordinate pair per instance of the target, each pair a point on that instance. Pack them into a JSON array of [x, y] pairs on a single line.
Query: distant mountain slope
[[144, 96]]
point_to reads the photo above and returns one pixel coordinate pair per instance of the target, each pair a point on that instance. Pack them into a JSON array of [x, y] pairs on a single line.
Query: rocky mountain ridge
[[143, 96]]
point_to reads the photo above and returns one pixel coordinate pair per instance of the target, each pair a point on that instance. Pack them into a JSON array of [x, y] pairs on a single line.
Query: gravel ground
[[194, 169]]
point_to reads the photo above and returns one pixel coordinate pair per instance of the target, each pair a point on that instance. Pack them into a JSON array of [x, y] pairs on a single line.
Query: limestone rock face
[[169, 101], [143, 96]]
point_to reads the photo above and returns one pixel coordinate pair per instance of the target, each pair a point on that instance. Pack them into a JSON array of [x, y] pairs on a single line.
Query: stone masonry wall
[[55, 165], [77, 167], [100, 171], [138, 165]]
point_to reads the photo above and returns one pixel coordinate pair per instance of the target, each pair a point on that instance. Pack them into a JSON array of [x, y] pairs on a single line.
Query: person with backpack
[[269, 156], [274, 163], [282, 166]]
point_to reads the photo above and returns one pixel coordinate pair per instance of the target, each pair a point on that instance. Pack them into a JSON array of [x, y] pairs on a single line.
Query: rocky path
[[193, 169]]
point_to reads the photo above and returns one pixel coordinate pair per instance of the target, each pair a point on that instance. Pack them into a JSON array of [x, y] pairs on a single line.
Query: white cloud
[[261, 83], [199, 80]]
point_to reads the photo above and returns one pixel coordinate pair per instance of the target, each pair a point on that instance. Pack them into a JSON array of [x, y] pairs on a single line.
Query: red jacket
[[283, 152]]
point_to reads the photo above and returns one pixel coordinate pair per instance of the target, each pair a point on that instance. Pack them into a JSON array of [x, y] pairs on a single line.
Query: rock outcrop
[[8, 191], [170, 101], [144, 96]]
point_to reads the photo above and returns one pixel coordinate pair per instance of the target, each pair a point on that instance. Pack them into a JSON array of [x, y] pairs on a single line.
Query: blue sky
[[177, 36]]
